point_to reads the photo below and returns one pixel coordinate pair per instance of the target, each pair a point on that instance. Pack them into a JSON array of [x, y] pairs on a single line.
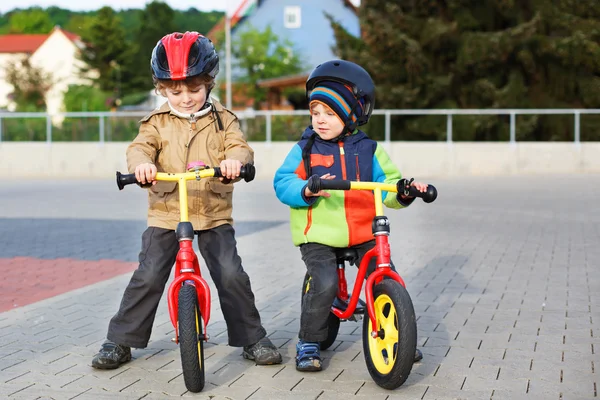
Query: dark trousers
[[132, 325], [321, 265]]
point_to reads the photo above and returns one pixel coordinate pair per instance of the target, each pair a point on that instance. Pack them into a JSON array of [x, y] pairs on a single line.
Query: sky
[[89, 5]]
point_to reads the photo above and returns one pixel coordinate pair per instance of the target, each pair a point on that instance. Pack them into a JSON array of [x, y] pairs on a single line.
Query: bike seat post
[[342, 284]]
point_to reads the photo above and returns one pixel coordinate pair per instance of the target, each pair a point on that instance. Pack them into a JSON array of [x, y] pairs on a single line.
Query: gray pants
[[321, 265], [132, 325]]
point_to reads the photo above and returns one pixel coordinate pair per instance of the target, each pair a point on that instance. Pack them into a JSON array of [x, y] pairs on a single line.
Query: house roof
[[283, 81], [236, 17], [29, 43], [21, 43]]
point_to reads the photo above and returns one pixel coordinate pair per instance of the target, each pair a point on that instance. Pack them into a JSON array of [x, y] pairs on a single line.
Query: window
[[292, 17]]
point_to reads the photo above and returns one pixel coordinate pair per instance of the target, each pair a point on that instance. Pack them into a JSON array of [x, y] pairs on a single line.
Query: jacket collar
[[353, 138]]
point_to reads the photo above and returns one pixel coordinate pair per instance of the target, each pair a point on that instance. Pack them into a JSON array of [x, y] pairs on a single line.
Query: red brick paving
[[26, 280]]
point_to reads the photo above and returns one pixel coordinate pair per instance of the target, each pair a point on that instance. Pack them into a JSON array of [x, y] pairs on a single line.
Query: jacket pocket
[[163, 187], [321, 160], [159, 194], [218, 187]]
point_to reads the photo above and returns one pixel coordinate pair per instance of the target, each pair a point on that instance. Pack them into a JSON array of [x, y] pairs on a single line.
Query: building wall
[[58, 56], [314, 38]]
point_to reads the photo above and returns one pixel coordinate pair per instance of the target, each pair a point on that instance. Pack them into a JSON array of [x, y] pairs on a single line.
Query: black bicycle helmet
[[350, 74], [178, 56]]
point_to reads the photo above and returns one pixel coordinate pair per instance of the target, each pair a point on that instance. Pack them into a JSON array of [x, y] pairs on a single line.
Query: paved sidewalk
[[504, 275]]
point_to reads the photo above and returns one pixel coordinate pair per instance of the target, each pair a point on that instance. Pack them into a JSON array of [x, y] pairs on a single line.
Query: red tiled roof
[[28, 43], [21, 43]]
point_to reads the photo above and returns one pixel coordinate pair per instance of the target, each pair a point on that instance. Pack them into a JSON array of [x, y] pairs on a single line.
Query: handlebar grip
[[247, 172], [316, 184], [128, 179], [428, 196]]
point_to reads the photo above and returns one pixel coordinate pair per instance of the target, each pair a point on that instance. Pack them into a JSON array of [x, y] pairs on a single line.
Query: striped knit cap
[[338, 97]]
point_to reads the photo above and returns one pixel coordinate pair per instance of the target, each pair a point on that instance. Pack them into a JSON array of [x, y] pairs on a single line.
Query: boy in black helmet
[[341, 97], [190, 126]]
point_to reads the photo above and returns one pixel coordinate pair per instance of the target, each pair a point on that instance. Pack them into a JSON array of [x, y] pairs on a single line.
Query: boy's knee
[[231, 278]]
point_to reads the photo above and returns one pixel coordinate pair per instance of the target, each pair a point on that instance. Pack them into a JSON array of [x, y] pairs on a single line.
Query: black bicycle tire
[[191, 344]]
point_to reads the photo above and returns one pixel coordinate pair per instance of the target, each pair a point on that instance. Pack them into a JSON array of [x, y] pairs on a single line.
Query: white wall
[[417, 159], [58, 57]]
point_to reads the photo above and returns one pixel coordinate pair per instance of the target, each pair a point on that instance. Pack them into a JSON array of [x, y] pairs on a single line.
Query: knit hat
[[338, 97]]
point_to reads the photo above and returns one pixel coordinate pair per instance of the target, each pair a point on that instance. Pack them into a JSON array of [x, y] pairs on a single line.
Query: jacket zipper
[[342, 160], [357, 168]]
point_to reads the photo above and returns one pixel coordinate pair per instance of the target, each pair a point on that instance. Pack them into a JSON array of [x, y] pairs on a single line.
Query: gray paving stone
[[505, 289]]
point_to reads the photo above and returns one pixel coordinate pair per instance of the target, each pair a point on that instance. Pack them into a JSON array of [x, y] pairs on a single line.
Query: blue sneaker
[[308, 356]]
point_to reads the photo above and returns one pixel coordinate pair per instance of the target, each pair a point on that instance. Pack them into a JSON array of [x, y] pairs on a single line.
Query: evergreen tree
[[481, 54], [105, 50], [156, 21]]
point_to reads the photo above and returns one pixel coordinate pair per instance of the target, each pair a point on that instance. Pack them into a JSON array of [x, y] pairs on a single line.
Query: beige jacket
[[171, 142]]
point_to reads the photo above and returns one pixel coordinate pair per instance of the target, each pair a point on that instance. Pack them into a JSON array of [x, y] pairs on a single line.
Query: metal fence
[[105, 131]]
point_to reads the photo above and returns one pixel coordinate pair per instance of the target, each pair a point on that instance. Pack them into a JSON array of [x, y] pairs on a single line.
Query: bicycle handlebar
[[247, 172], [316, 184]]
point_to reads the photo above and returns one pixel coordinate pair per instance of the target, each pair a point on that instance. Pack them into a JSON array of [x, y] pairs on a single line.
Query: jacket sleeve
[[236, 146], [144, 147], [289, 187], [385, 171]]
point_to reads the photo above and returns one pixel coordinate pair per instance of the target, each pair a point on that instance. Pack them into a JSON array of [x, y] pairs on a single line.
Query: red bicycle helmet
[[178, 56]]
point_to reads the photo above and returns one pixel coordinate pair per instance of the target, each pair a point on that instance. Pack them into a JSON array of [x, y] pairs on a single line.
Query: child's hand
[[421, 187], [146, 173], [230, 169], [308, 193]]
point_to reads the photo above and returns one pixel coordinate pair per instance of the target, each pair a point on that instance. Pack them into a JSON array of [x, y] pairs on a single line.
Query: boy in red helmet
[[190, 126], [341, 97]]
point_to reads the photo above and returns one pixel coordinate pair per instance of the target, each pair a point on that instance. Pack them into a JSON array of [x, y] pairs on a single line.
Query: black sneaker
[[263, 352], [111, 356], [418, 356]]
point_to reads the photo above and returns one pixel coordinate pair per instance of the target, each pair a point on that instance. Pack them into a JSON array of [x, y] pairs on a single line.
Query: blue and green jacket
[[345, 218]]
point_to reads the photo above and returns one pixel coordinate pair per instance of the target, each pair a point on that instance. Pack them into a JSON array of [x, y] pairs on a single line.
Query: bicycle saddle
[[350, 255]]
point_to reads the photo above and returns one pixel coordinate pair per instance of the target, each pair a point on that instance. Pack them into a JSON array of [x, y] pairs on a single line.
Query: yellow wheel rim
[[383, 350], [198, 341]]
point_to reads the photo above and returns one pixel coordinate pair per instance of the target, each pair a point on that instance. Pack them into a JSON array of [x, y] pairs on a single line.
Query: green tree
[[79, 23], [86, 98], [262, 55], [33, 20], [30, 85], [194, 20], [480, 54], [105, 49]]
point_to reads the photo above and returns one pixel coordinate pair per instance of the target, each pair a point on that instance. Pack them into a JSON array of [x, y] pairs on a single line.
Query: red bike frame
[[381, 251]]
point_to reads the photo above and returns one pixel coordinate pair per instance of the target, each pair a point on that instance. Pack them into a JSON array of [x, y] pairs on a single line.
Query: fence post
[[0, 129], [268, 138], [48, 129], [513, 129], [577, 128], [388, 134], [101, 129], [449, 128]]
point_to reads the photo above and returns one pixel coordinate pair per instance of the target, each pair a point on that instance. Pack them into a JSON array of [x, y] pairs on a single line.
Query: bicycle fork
[[187, 272], [381, 231]]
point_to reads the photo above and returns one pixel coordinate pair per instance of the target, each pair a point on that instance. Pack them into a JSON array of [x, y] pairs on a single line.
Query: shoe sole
[[309, 369], [269, 361], [106, 366]]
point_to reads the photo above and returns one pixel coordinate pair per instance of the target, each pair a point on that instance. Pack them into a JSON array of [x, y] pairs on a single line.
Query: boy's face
[[186, 100], [325, 122]]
